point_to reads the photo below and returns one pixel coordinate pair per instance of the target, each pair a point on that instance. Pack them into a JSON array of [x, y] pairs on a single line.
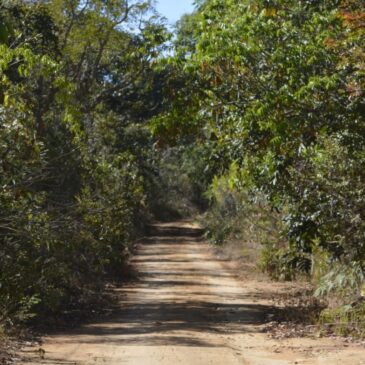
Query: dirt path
[[187, 307]]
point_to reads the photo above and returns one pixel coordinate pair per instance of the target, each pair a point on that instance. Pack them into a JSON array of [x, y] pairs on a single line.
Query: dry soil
[[187, 306]]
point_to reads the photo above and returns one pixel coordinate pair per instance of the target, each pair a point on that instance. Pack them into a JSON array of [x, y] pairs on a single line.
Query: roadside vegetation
[[76, 158], [274, 91], [255, 116]]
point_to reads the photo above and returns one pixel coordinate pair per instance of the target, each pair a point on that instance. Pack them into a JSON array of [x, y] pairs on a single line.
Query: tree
[[281, 95], [78, 84]]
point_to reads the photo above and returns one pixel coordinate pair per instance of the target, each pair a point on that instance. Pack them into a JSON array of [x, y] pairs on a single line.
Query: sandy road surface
[[186, 307]]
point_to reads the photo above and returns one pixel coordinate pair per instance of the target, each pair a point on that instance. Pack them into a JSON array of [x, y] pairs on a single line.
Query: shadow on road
[[172, 296]]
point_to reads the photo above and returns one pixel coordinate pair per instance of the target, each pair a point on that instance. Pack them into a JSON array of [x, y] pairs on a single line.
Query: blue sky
[[173, 9]]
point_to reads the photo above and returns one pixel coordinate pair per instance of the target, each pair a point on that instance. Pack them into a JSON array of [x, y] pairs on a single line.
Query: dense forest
[[251, 111]]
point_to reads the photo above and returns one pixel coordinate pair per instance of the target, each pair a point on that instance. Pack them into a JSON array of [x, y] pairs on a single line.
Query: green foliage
[[236, 214], [261, 103], [77, 83], [277, 88], [342, 279], [182, 175], [345, 320]]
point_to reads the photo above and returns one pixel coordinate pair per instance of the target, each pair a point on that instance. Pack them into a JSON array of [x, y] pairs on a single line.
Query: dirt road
[[187, 307]]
